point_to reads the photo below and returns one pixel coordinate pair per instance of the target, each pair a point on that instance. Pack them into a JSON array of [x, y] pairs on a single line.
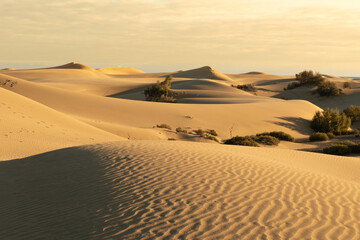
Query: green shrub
[[180, 130], [267, 140], [355, 148], [306, 78], [200, 132], [292, 85], [353, 112], [338, 149], [160, 92], [213, 132], [347, 85], [309, 77], [213, 138], [247, 87], [330, 135], [353, 132], [328, 89], [330, 120], [163, 125], [244, 141], [279, 135], [318, 136]]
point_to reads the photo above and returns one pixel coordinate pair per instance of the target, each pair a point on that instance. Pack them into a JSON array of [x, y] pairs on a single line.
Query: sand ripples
[[170, 190]]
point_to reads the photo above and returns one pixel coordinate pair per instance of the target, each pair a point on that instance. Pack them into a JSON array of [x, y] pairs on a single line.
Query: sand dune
[[262, 114], [203, 72], [173, 190], [82, 179], [31, 128], [120, 71], [73, 65]]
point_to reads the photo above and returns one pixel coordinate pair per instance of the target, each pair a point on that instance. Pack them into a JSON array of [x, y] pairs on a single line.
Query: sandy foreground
[[81, 159]]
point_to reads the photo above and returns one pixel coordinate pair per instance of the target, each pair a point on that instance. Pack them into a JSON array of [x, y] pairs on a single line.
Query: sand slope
[[203, 72], [254, 115], [172, 190], [28, 127]]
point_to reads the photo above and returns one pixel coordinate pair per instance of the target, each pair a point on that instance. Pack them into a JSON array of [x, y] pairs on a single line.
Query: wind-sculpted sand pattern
[[172, 190]]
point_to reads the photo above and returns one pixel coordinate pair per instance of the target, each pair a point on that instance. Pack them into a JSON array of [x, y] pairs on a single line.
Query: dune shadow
[[63, 194], [297, 124]]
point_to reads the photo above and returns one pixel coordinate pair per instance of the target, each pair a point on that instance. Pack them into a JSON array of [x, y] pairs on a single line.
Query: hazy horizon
[[273, 36]]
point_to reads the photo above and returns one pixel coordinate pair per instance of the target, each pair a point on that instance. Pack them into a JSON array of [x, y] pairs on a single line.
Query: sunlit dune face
[[275, 36]]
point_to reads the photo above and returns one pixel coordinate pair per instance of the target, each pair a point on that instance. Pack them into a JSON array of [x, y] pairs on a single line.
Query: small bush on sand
[[267, 140], [180, 130], [309, 77], [160, 92], [244, 141], [330, 120], [318, 136], [247, 87], [292, 85], [200, 132], [328, 89], [279, 135], [163, 125], [213, 138], [353, 112], [337, 149], [347, 85], [213, 132]]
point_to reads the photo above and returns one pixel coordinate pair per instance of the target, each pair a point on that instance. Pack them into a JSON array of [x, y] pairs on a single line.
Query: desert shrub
[[330, 135], [247, 87], [213, 132], [213, 138], [330, 120], [200, 132], [163, 125], [351, 132], [267, 140], [355, 148], [171, 139], [328, 89], [244, 141], [337, 149], [347, 143], [347, 85], [309, 77], [279, 135], [292, 85], [180, 130], [353, 112], [160, 92], [319, 136]]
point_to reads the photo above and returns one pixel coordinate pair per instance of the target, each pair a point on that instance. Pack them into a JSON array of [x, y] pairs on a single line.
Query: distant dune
[[73, 65], [120, 71], [9, 69], [203, 72]]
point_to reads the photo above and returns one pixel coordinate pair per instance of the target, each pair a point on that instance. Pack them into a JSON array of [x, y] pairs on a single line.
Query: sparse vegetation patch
[[160, 92], [318, 136]]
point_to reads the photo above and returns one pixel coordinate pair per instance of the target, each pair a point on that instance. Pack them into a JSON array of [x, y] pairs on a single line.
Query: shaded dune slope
[[169, 190]]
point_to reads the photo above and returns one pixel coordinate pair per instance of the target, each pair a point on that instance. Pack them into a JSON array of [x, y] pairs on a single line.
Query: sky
[[232, 36]]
